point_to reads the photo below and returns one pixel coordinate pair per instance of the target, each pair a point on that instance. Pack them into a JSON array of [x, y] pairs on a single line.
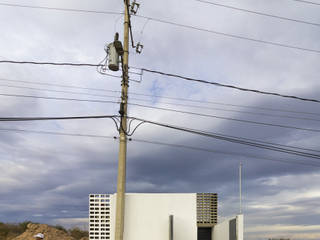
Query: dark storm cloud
[[48, 178]]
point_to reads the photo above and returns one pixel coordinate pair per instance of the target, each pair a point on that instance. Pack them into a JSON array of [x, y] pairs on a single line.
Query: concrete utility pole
[[121, 184]]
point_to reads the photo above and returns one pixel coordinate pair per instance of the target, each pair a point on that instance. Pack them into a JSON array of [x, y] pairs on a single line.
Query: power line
[[259, 13], [22, 119], [265, 142], [230, 35], [226, 118], [55, 133], [230, 86], [52, 63], [232, 140], [308, 2], [170, 75], [314, 164], [59, 85], [167, 103], [269, 143], [178, 25], [158, 96], [58, 91], [62, 9], [56, 98], [221, 137], [66, 64], [145, 106], [166, 109], [229, 110], [222, 104]]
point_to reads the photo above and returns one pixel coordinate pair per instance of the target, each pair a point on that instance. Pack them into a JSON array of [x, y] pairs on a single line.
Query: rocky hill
[[50, 233]]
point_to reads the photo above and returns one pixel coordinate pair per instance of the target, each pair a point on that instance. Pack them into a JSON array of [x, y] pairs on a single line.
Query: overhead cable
[[258, 13], [166, 109], [308, 2], [163, 102], [237, 154], [24, 119], [233, 140], [52, 63], [227, 118], [159, 96], [229, 139], [230, 35], [226, 110], [172, 75], [62, 9], [178, 25], [312, 163], [58, 91], [57, 98], [230, 86]]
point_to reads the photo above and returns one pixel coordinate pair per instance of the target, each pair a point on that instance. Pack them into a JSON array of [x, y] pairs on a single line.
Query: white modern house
[[160, 216]]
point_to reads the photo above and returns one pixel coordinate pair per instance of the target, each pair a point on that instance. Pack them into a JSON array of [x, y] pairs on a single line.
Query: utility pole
[[240, 188], [121, 182]]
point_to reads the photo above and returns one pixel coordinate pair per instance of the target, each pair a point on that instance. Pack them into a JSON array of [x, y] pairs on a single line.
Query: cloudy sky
[[47, 178]]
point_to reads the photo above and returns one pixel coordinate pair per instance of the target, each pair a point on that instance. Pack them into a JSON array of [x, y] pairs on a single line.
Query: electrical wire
[[158, 96], [226, 118], [237, 154], [229, 34], [59, 85], [162, 144], [308, 2], [23, 119], [55, 133], [100, 65], [166, 109], [269, 143], [103, 116], [179, 25], [167, 103], [59, 91], [57, 98], [62, 9], [222, 104], [232, 140], [101, 101], [52, 63], [258, 13], [230, 86], [171, 75], [227, 110]]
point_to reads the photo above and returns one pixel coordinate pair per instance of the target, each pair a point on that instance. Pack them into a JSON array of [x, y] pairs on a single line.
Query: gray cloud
[[47, 178]]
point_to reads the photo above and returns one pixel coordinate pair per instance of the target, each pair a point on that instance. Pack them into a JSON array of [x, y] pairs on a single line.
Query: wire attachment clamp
[[134, 7]]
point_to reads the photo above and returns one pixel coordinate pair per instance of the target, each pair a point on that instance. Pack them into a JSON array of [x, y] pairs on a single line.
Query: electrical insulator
[[134, 7], [139, 48], [113, 61]]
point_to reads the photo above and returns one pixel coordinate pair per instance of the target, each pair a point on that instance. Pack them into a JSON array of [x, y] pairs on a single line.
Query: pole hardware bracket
[[121, 111], [118, 45], [134, 7], [139, 48]]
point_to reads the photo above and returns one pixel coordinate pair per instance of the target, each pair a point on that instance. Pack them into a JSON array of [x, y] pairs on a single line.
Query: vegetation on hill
[[10, 231]]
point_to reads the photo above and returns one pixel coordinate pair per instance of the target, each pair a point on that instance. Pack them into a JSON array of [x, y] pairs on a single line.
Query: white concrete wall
[[221, 230], [240, 227], [147, 216]]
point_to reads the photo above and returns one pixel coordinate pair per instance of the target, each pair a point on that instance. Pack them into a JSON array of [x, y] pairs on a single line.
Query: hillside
[[26, 231]]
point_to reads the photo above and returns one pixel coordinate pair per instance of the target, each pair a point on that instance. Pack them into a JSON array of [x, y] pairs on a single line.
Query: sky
[[47, 178]]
